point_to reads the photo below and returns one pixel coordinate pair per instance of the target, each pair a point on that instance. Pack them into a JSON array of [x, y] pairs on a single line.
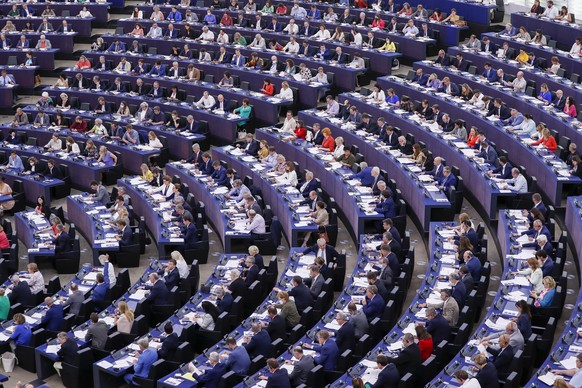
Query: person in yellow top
[[522, 58], [388, 46], [146, 173]]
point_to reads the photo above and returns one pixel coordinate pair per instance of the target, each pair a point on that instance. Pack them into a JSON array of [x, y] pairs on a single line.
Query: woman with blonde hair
[[288, 309], [263, 149], [154, 142], [106, 157], [545, 297], [534, 274], [146, 174], [34, 278], [5, 189], [123, 318], [180, 264], [90, 150], [64, 102]]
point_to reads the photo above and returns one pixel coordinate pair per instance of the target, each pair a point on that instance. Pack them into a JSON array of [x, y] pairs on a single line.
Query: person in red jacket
[[547, 140]]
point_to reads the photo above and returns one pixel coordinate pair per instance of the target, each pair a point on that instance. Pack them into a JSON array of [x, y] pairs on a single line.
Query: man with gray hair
[[437, 326], [409, 359], [20, 293], [74, 300], [301, 367], [146, 358], [502, 356], [516, 339], [67, 353], [223, 299], [211, 377], [448, 305], [458, 290], [259, 343], [345, 335], [237, 191], [517, 183]]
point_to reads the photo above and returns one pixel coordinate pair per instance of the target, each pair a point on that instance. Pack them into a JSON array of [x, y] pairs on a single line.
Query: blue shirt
[[145, 362], [239, 361], [16, 164], [210, 19], [22, 335]]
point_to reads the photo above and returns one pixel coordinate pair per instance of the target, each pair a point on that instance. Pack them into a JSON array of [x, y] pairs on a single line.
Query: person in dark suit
[[159, 294], [196, 156], [308, 186], [53, 171], [543, 256], [500, 111], [237, 286], [327, 349], [312, 200], [409, 359], [468, 231], [460, 63], [252, 271], [389, 376], [458, 289], [54, 319], [170, 341], [211, 377], [448, 180], [62, 241], [224, 300], [345, 336], [259, 343], [274, 25], [190, 234], [420, 78], [279, 378], [489, 73], [125, 237], [277, 328], [437, 326], [301, 368], [67, 353], [486, 372], [386, 206], [317, 281], [504, 169], [99, 294], [339, 56], [170, 274], [488, 153], [502, 357], [467, 278], [218, 175], [373, 304], [372, 277], [300, 292], [323, 250], [20, 293], [250, 145], [442, 59]]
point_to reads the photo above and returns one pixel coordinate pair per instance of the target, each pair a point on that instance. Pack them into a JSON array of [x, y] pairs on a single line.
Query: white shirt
[[35, 282], [290, 178], [156, 143], [285, 94], [358, 39], [551, 12], [322, 35], [155, 32], [75, 148], [527, 127], [339, 151], [206, 102], [519, 184], [258, 44], [378, 96], [291, 29], [576, 48], [257, 225], [291, 47], [410, 31], [111, 273], [222, 38], [289, 125], [183, 269], [471, 383], [208, 36]]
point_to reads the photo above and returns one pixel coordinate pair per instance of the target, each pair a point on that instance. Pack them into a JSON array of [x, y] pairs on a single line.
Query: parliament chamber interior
[[225, 193]]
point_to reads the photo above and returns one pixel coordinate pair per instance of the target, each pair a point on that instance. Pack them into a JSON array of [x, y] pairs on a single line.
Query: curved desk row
[[44, 59], [45, 354], [345, 77], [131, 157], [63, 41], [475, 178], [279, 197], [179, 143], [77, 24], [109, 371], [266, 109], [425, 205], [540, 166], [563, 32], [100, 11], [308, 93], [28, 226], [353, 202], [568, 346], [23, 75], [221, 128], [34, 185], [568, 63]]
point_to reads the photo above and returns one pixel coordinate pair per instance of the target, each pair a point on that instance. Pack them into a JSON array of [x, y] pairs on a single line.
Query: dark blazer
[[408, 361], [238, 288], [259, 344], [311, 186], [102, 66], [68, 351], [159, 293], [316, 286], [422, 80], [225, 303], [172, 278], [278, 27], [195, 158], [251, 275], [502, 360], [459, 293], [54, 319], [211, 377], [54, 173], [21, 294], [191, 236], [62, 243], [279, 379], [126, 237], [461, 65], [253, 148], [328, 354], [443, 61], [388, 377], [487, 377], [342, 58], [345, 337], [301, 369], [504, 171], [374, 308], [302, 296], [169, 345], [439, 329], [330, 252], [277, 328]]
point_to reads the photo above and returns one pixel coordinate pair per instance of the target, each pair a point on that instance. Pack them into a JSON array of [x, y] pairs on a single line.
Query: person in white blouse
[[258, 42], [289, 123], [377, 96], [54, 144], [291, 28], [477, 99], [154, 141], [358, 40], [206, 101], [322, 34], [339, 147], [72, 147], [206, 320], [157, 15], [285, 93], [526, 127], [181, 264], [534, 274], [289, 177], [34, 278], [136, 14], [292, 47], [330, 16], [463, 378], [104, 260], [206, 35], [204, 56]]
